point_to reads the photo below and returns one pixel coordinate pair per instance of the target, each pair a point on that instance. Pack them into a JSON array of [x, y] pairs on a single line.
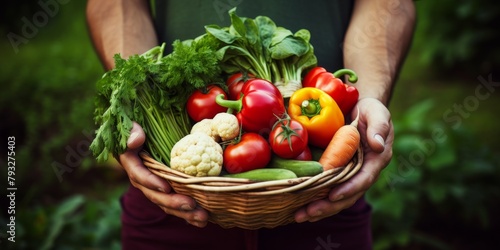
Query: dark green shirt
[[327, 20]]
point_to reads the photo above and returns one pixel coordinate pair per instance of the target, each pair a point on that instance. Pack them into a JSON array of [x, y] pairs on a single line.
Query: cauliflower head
[[197, 154], [205, 126], [226, 126]]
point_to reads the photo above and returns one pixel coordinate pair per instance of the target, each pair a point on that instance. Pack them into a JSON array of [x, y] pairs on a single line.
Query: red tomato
[[235, 83], [202, 105], [251, 152], [306, 155], [288, 139]]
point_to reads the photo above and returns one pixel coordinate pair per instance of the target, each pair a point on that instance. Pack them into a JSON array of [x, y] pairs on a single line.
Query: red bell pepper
[[259, 107], [345, 95]]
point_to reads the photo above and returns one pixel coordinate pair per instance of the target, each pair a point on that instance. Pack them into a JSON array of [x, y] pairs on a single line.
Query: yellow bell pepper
[[318, 113]]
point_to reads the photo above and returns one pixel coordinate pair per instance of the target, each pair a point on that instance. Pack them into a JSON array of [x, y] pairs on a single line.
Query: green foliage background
[[440, 191]]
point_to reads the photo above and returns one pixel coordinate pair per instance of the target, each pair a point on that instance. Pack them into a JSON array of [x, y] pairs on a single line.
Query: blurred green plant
[[77, 222], [440, 183], [453, 35]]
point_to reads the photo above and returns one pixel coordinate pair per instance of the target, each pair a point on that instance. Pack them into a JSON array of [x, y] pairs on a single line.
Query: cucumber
[[265, 174], [300, 168]]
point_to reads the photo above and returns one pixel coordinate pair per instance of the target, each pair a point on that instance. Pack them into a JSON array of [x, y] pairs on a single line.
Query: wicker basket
[[233, 202]]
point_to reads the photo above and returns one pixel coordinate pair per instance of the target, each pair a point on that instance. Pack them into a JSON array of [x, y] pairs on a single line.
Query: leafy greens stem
[[276, 73], [286, 74], [261, 71], [153, 129], [162, 49]]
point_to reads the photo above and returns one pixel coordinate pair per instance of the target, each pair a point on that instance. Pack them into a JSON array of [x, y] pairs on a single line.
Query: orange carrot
[[342, 147]]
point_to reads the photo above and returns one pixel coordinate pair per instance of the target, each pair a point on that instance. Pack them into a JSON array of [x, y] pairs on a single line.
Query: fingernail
[[379, 139], [161, 190], [197, 218], [318, 213], [301, 219], [132, 137], [186, 207], [338, 197]]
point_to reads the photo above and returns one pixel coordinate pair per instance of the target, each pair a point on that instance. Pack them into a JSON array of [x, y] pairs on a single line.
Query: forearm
[[376, 44], [120, 26]]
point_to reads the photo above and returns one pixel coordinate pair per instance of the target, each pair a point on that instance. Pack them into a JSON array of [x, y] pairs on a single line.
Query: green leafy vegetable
[[152, 90], [265, 50]]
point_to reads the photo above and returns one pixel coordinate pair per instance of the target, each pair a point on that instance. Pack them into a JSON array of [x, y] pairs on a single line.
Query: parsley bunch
[[152, 89]]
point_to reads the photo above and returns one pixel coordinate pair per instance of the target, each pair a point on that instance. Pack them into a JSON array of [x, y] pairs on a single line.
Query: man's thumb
[[137, 137]]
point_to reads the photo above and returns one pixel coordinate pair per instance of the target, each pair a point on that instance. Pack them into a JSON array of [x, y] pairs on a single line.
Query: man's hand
[[377, 135], [155, 188]]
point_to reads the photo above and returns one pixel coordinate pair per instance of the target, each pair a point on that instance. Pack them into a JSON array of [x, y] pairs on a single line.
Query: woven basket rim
[[228, 184]]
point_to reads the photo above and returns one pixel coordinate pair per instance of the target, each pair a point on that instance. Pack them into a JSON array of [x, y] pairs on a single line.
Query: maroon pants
[[146, 226]]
